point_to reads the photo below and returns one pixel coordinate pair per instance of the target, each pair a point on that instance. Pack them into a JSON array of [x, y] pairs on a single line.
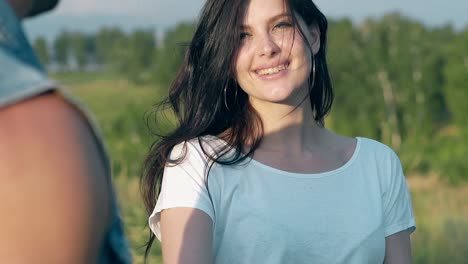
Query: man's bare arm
[[54, 196]]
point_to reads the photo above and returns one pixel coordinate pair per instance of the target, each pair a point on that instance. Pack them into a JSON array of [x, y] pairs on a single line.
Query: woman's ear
[[314, 31]]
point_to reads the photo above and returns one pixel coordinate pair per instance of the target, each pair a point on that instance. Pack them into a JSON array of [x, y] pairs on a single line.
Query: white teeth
[[273, 70]]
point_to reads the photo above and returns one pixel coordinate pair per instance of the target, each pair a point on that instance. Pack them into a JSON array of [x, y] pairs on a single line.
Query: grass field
[[441, 210]]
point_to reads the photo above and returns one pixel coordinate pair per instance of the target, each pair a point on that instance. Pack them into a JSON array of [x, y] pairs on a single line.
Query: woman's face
[[273, 63]]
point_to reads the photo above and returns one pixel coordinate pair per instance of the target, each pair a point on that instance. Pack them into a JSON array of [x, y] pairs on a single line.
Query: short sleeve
[[397, 207], [183, 185]]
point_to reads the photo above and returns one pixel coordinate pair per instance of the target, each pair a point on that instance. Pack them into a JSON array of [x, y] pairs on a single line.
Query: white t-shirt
[[264, 215]]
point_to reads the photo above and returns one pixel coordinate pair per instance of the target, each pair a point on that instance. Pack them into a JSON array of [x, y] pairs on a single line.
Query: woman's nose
[[267, 46]]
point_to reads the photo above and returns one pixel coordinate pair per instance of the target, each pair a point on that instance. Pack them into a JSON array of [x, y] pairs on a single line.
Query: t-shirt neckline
[[343, 167]]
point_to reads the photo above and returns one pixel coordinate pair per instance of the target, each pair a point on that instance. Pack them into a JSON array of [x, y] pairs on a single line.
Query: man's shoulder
[[46, 123], [48, 113], [50, 167]]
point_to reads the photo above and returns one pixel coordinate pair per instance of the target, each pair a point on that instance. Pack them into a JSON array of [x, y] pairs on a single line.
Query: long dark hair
[[197, 95]]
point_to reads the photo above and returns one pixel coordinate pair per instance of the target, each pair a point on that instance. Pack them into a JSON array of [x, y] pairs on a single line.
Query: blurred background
[[399, 68]]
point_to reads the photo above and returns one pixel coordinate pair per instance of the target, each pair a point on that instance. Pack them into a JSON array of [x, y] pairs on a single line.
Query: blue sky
[[90, 15]]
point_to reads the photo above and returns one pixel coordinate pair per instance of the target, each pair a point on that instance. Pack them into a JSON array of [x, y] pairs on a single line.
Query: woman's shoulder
[[362, 147], [371, 148], [375, 145], [201, 148]]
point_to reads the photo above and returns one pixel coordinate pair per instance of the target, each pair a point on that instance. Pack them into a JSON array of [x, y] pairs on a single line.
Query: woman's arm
[[186, 235], [398, 248]]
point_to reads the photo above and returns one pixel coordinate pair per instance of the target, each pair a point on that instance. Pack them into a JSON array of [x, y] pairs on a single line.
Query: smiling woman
[[271, 66], [251, 174]]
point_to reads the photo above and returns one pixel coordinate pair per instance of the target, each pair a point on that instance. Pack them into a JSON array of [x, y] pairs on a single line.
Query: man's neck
[[20, 7]]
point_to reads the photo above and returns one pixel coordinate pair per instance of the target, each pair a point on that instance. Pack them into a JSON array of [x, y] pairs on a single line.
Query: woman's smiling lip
[[272, 68], [272, 72]]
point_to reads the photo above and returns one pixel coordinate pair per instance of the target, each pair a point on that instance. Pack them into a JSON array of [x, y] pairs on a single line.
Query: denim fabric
[[13, 40], [21, 74], [22, 77]]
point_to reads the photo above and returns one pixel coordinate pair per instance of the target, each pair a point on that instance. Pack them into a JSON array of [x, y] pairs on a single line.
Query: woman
[[251, 175]]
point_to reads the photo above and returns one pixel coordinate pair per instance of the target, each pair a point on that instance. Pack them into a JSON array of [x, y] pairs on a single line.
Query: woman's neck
[[289, 129]]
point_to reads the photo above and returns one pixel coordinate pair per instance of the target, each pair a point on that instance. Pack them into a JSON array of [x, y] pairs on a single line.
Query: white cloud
[[158, 9], [171, 11], [432, 12], [90, 15], [116, 7]]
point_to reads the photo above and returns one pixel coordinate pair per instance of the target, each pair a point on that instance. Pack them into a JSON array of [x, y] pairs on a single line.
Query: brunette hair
[[197, 95]]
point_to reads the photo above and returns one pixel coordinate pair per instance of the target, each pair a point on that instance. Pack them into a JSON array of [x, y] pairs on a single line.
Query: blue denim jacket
[[22, 76]]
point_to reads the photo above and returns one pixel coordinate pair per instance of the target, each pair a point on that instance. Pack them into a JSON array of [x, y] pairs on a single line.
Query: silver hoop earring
[[225, 94], [313, 72], [225, 97]]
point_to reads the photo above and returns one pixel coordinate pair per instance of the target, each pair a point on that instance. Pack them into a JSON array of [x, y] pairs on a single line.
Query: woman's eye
[[283, 25], [244, 35]]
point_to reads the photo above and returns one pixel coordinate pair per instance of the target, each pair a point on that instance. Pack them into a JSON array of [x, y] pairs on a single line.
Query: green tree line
[[395, 80], [136, 55]]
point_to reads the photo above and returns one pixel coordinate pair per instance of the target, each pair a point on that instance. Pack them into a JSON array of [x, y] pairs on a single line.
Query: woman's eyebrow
[[279, 16], [270, 20]]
